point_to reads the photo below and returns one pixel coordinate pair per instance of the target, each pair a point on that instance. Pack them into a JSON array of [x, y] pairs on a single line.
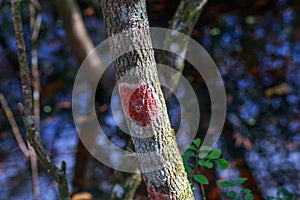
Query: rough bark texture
[[184, 20], [157, 146]]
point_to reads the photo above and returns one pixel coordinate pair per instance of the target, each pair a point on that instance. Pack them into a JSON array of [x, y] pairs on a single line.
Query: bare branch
[[13, 125], [35, 24], [28, 152], [33, 137], [34, 173]]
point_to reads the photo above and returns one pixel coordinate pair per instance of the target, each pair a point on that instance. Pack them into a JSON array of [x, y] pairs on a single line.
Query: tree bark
[[149, 125], [183, 20]]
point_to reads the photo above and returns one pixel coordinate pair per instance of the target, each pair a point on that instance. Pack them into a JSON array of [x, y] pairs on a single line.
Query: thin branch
[[23, 64], [183, 21], [203, 192], [13, 125], [35, 23], [34, 173], [36, 4], [33, 137], [36, 89], [28, 152]]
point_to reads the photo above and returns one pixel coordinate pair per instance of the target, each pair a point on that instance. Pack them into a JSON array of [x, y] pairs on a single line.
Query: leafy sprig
[[204, 156]]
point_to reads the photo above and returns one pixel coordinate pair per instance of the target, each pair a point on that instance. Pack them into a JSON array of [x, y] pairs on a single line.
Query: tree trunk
[[183, 20], [145, 110]]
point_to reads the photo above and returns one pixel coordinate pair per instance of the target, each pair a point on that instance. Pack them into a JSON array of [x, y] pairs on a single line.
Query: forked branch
[[59, 174]]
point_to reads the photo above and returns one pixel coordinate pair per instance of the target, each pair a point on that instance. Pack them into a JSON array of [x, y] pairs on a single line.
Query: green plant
[[282, 194], [198, 156], [202, 156], [244, 193]]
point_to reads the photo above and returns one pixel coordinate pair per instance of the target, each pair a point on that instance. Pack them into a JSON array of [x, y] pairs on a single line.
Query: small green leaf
[[189, 154], [193, 148], [272, 198], [240, 181], [197, 142], [185, 157], [225, 184], [231, 194], [222, 163], [245, 190], [203, 155], [199, 178], [215, 154], [201, 162], [248, 196], [205, 148], [208, 164]]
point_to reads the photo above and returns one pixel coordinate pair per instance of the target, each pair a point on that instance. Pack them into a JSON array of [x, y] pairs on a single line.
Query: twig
[[36, 4], [33, 137], [13, 125], [34, 173], [35, 23], [28, 152], [36, 89], [203, 192]]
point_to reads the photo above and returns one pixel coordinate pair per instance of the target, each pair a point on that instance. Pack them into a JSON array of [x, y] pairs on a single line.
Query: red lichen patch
[[139, 102]]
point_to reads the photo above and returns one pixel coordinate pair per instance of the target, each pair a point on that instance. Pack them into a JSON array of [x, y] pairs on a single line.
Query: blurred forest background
[[256, 46]]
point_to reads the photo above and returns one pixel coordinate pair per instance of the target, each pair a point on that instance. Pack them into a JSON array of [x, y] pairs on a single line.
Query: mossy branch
[[33, 137], [183, 21]]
